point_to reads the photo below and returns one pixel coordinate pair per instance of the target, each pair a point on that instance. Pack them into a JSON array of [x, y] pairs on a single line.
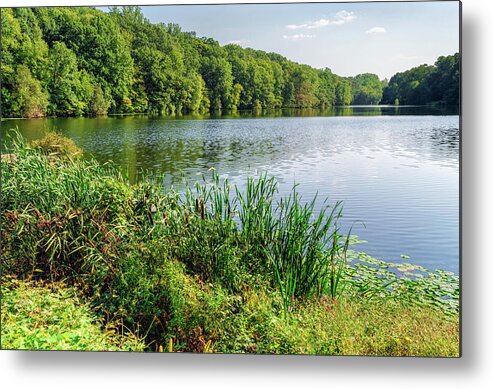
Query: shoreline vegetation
[[208, 268], [81, 61], [343, 110]]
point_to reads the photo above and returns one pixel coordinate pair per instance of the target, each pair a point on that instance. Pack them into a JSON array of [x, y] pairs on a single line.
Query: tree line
[[83, 61], [424, 84]]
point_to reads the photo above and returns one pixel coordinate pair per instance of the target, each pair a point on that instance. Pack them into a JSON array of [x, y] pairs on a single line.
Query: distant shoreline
[[239, 111]]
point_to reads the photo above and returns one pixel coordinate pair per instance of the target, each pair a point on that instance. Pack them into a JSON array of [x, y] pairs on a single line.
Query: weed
[[55, 144]]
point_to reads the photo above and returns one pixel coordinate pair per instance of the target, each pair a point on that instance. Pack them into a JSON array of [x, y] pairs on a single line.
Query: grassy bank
[[51, 316], [213, 268]]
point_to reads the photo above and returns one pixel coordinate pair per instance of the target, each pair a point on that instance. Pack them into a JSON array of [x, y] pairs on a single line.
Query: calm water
[[395, 170]]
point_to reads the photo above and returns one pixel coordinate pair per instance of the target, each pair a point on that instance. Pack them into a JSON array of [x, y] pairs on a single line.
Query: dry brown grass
[[55, 144]]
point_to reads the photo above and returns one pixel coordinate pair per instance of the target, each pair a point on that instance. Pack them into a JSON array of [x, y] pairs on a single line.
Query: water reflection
[[394, 168]]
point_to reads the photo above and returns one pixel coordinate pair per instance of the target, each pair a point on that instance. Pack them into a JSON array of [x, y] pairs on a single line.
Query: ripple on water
[[398, 174]]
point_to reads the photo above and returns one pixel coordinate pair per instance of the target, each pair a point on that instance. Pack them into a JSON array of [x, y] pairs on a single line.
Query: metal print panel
[[242, 178]]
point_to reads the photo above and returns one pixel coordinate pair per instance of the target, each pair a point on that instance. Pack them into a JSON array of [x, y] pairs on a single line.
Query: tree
[[29, 100], [217, 74], [11, 37], [426, 84], [70, 91], [86, 61], [327, 88], [99, 105], [343, 92], [444, 81], [305, 83], [98, 43], [367, 89], [31, 50]]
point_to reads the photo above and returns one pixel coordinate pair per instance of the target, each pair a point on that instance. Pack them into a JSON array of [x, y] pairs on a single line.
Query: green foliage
[[405, 283], [23, 64], [327, 88], [303, 250], [367, 89], [343, 93], [216, 72], [32, 50], [70, 91], [343, 327], [98, 106], [211, 268], [426, 84], [88, 62], [445, 80], [51, 317], [28, 98]]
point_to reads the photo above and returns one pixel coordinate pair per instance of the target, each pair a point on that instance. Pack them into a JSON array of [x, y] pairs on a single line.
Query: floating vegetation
[[404, 282]]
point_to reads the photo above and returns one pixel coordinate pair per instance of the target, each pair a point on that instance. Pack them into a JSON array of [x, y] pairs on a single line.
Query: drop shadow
[[245, 365]]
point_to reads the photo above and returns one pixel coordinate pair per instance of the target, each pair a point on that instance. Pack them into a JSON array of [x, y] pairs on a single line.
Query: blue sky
[[349, 38]]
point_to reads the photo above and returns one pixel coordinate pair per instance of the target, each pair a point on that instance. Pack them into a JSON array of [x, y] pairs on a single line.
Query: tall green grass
[[300, 249], [188, 266]]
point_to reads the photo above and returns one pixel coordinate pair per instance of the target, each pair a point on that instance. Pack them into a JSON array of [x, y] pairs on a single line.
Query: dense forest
[[83, 61], [425, 84]]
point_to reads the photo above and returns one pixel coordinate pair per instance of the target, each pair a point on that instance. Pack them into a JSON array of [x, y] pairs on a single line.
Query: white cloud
[[340, 17], [376, 30], [298, 37], [319, 23], [344, 17], [296, 26]]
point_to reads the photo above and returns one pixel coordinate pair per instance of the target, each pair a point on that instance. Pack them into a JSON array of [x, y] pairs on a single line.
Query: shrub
[[54, 143], [51, 317]]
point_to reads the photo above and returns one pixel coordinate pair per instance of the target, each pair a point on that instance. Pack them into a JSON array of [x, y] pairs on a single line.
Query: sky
[[348, 38]]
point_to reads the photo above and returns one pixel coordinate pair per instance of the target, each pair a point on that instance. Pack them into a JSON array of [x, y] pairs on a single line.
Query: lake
[[396, 169]]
